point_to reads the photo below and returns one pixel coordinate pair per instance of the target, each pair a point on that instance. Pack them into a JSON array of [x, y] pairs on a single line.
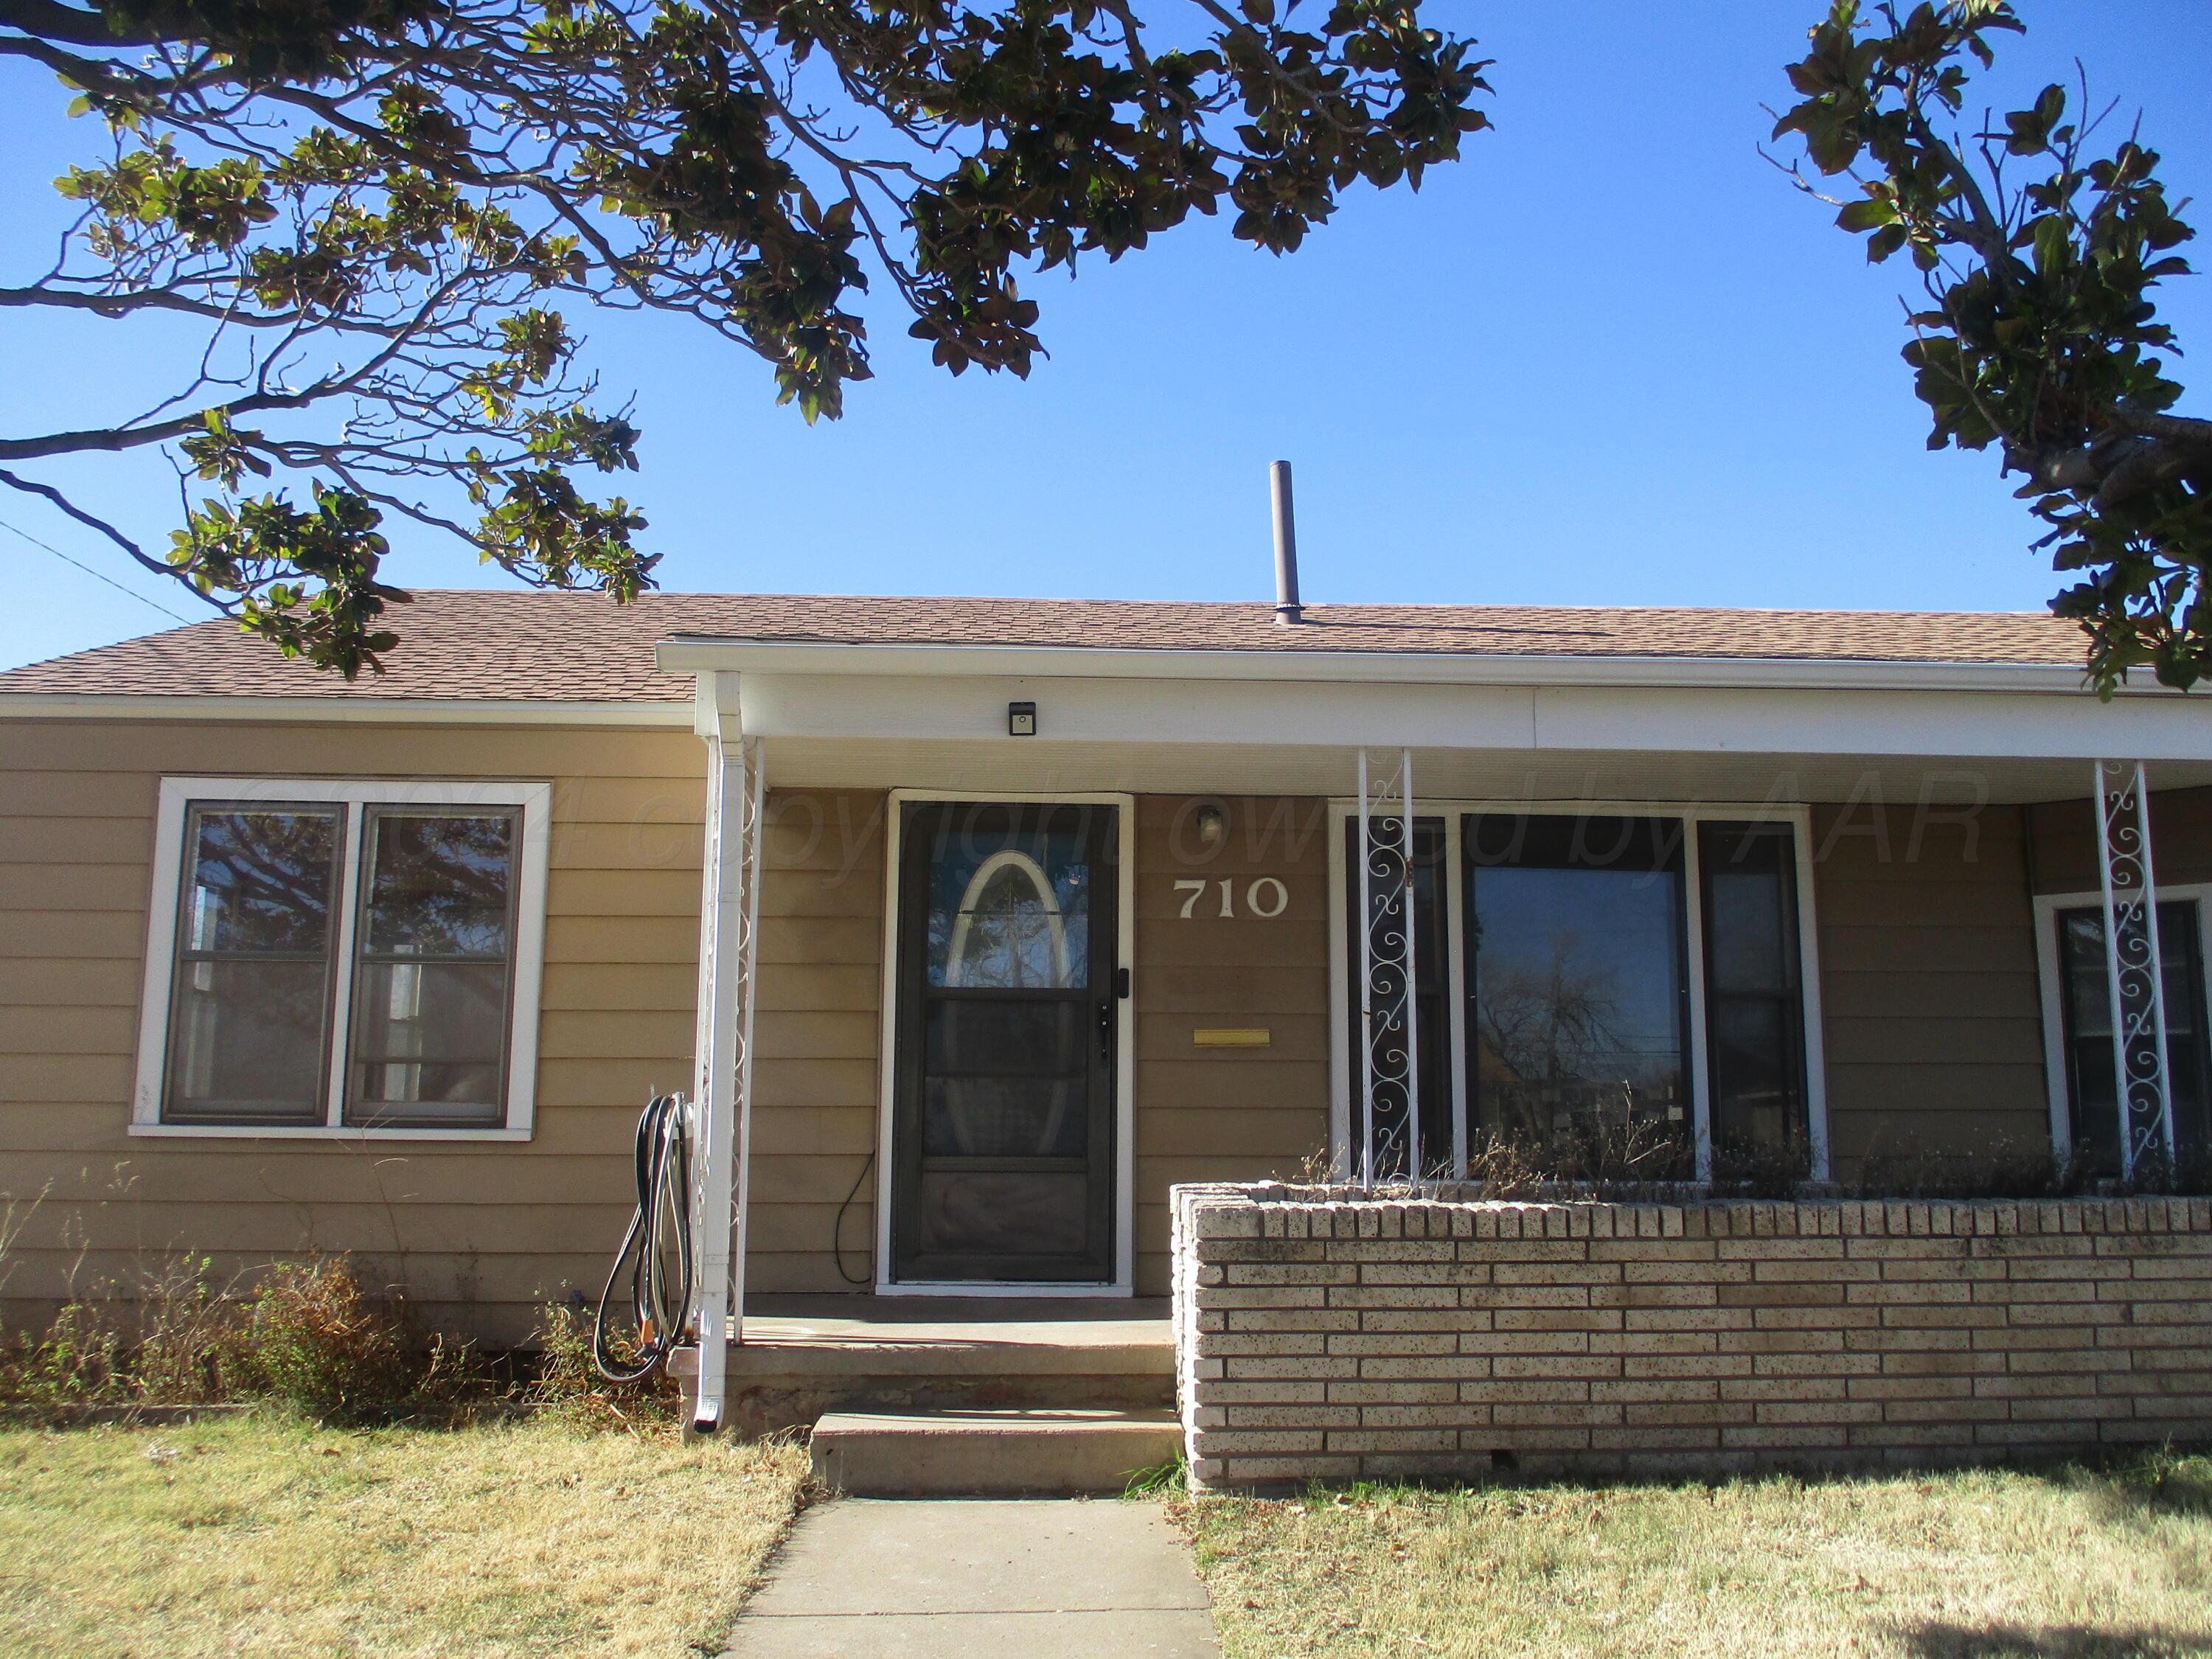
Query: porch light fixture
[[1021, 719], [1212, 823]]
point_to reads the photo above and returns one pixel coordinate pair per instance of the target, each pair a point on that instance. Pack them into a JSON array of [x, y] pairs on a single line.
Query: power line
[[97, 575]]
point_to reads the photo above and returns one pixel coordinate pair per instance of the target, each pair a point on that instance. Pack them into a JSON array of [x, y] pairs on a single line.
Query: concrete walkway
[[978, 1578]]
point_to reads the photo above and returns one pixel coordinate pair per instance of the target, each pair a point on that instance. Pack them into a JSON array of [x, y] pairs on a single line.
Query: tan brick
[[1763, 1295], [1524, 1342], [1425, 1366], [1221, 1345], [1783, 1388], [1774, 1412], [1290, 1272], [1684, 1365], [1428, 1391], [1450, 1416], [1677, 1391], [1229, 1443], [1914, 1387], [1783, 1436], [1248, 1320], [1556, 1272], [1557, 1319], [1555, 1364], [1291, 1417], [1409, 1342], [1647, 1436], [1564, 1415], [1944, 1411]]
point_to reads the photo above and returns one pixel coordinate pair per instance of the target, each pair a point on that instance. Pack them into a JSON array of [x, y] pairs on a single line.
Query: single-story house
[[974, 924]]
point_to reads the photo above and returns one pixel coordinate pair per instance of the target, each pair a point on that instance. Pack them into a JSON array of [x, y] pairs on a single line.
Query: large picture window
[[355, 957], [1631, 980]]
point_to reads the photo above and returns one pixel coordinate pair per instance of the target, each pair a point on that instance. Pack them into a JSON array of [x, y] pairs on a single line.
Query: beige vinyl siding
[[2065, 840], [480, 1233], [817, 1033], [1226, 1114], [1932, 1018]]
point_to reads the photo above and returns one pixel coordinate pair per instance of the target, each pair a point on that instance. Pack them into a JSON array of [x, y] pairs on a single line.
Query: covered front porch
[[1245, 1021]]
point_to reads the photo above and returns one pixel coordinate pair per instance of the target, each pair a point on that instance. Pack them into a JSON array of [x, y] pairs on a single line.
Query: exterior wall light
[[1212, 823], [1021, 719]]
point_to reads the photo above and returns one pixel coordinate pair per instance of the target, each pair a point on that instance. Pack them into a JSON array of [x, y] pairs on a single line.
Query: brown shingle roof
[[470, 644]]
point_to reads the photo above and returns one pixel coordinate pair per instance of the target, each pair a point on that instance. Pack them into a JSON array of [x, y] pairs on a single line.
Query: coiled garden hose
[[656, 1252]]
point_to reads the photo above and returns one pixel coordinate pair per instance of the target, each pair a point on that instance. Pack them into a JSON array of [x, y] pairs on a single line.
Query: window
[[356, 956], [1578, 1000], [1754, 1007], [1612, 981], [2078, 1020]]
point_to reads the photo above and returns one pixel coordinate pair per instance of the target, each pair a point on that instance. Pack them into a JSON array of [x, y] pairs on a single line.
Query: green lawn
[[2061, 1564], [264, 1536]]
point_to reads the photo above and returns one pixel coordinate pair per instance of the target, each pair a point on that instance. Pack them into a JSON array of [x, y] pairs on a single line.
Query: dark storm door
[[1002, 1127]]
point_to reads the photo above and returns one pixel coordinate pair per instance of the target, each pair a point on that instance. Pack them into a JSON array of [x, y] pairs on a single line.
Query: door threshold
[[1001, 1287]]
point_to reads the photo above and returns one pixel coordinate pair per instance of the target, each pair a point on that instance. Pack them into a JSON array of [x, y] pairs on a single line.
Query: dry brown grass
[[267, 1536], [1994, 1565]]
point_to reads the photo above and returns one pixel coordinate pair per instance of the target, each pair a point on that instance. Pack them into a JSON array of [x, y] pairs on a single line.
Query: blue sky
[[1611, 357]]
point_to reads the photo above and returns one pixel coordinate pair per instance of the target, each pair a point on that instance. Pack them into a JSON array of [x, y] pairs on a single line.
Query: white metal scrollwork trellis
[[2132, 963], [1388, 1129]]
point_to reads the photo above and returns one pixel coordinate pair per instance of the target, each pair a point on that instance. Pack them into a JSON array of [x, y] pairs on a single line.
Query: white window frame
[[527, 961], [1343, 809], [2052, 994]]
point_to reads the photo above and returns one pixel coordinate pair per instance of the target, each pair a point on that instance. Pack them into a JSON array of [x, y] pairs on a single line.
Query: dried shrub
[[568, 1385], [313, 1338], [167, 1342]]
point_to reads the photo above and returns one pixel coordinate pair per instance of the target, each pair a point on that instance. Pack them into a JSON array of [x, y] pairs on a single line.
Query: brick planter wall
[[1321, 1334]]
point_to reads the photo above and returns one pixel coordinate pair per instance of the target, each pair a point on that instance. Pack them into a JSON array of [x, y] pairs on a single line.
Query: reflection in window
[[1008, 934], [427, 1043], [1010, 911], [1576, 997], [250, 1014], [2086, 993], [1754, 1007]]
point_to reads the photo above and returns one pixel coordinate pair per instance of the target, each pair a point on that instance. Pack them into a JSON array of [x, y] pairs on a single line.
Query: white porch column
[[2134, 968], [722, 1119]]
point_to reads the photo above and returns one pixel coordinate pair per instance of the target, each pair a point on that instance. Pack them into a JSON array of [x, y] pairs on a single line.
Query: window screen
[[2085, 997], [1754, 1003], [434, 948], [1577, 998], [249, 1025]]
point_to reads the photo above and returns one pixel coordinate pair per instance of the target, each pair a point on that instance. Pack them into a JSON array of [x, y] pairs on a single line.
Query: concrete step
[[998, 1453]]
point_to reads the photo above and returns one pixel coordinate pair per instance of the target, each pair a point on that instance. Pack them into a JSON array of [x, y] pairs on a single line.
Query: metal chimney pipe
[[1287, 608]]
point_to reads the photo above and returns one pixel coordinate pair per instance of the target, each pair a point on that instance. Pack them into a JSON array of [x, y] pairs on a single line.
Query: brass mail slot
[[1231, 1037]]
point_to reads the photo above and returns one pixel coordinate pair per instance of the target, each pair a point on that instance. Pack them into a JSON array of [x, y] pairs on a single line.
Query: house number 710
[[1265, 898]]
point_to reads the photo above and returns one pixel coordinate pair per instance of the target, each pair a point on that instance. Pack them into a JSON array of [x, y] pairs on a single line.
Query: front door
[[1002, 1125]]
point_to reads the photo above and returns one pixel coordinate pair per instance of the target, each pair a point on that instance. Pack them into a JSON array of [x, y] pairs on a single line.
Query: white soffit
[[1675, 721], [1041, 764]]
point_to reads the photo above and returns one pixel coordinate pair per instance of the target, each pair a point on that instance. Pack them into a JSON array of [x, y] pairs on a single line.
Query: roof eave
[[344, 710], [698, 653]]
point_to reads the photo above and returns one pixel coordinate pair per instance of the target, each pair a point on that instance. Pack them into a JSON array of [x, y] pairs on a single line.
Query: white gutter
[[695, 653], [341, 710]]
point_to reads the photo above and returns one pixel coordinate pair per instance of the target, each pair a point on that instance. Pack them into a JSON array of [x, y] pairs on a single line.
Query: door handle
[[1106, 1032]]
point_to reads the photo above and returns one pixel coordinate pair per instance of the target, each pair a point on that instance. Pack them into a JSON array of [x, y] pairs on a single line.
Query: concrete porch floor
[[803, 1355]]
